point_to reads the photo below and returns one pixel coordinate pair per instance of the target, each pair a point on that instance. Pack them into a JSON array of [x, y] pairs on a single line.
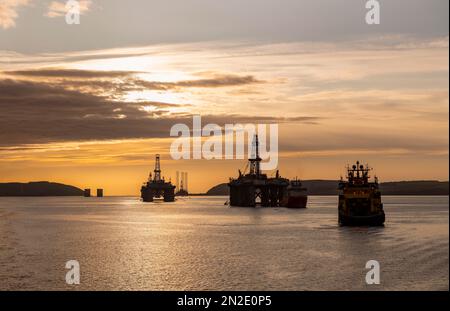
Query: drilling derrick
[[254, 162], [157, 187], [255, 188], [157, 170]]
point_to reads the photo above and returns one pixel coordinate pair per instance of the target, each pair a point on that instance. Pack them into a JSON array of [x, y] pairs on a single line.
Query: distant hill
[[329, 187], [41, 188], [425, 187], [220, 189]]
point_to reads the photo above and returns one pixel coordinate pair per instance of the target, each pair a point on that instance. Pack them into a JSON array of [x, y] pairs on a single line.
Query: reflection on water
[[199, 244]]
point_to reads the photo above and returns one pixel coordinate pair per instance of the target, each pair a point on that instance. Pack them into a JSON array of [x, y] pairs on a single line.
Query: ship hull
[[369, 220], [297, 202]]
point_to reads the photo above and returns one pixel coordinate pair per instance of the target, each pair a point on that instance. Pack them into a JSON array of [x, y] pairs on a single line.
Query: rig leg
[[147, 196], [169, 196]]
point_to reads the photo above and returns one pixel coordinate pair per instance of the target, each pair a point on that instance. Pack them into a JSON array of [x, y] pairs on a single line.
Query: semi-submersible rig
[[157, 187], [255, 188]]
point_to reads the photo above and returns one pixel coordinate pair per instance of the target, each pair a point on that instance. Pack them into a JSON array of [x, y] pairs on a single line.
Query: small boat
[[360, 199]]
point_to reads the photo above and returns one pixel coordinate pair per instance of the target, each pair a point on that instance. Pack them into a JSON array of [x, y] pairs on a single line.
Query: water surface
[[198, 243]]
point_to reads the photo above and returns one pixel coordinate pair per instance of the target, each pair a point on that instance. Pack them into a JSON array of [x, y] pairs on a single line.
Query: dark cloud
[[213, 82], [117, 83], [219, 81], [40, 113], [36, 113]]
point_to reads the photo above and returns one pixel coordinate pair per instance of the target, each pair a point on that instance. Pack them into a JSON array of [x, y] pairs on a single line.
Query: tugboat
[[296, 195], [157, 187], [360, 199]]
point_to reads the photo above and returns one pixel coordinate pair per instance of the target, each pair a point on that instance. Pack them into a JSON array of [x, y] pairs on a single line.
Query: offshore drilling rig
[[157, 187], [255, 188]]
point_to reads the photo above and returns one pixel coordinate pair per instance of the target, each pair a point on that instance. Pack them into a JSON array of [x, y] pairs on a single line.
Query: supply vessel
[[360, 198], [297, 196]]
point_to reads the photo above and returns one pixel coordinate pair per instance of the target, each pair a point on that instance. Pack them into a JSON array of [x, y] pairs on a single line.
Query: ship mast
[[358, 174], [255, 161]]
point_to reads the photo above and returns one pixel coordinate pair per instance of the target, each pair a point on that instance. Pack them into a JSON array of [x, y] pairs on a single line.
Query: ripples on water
[[199, 244]]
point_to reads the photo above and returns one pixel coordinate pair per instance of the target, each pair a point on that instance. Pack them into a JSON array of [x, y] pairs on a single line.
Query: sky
[[91, 104]]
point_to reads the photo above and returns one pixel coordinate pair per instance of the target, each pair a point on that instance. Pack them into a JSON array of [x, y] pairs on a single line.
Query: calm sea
[[199, 243]]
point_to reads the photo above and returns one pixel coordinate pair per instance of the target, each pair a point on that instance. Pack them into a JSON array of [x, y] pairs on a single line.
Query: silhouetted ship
[[297, 196], [157, 187], [360, 199], [255, 188]]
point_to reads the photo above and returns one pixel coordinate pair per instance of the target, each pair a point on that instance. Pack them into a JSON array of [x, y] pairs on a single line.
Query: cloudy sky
[[91, 104]]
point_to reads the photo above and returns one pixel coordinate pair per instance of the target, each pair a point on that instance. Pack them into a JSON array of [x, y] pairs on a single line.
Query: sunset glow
[[96, 112]]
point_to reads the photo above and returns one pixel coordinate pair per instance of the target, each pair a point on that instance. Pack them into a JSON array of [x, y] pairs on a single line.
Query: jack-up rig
[[157, 187], [255, 188], [182, 185]]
